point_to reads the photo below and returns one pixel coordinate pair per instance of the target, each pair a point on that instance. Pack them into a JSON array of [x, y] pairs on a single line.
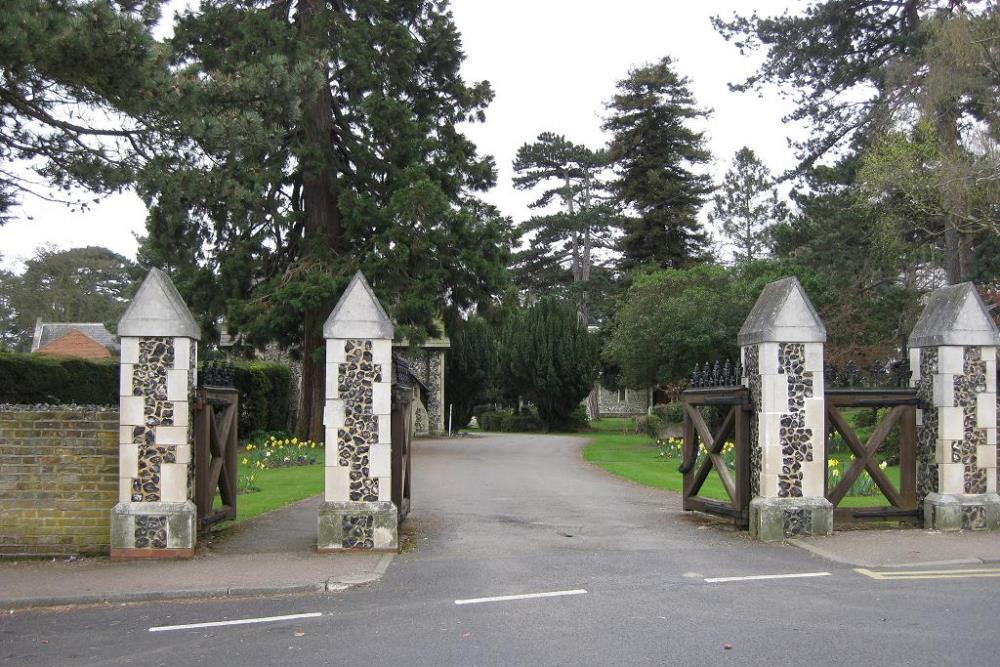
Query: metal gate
[[718, 388]]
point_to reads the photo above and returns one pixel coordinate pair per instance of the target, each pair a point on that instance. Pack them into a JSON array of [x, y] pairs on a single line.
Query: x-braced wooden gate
[[902, 403], [216, 418], [733, 402]]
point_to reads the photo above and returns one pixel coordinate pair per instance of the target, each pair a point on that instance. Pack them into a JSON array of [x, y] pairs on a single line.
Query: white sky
[[552, 64]]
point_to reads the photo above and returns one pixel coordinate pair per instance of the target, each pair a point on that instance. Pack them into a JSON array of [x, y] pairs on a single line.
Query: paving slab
[[269, 554], [905, 547]]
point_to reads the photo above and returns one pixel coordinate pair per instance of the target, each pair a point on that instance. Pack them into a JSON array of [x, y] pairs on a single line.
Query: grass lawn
[[278, 487], [636, 458]]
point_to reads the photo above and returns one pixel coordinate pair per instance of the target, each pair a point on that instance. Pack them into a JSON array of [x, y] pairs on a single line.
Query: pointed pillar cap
[[358, 314], [783, 314], [954, 315], [158, 310]]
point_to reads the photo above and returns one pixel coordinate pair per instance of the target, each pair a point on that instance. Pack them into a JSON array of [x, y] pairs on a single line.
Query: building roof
[[48, 332]]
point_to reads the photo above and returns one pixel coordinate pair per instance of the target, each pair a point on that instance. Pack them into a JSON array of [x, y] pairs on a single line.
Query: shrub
[[265, 396], [548, 357], [490, 421], [33, 378], [479, 410], [650, 426], [523, 423], [670, 413]]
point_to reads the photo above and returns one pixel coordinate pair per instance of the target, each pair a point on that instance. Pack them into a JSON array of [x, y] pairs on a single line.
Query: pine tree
[[747, 205], [864, 66], [78, 82], [560, 246], [318, 138], [656, 154]]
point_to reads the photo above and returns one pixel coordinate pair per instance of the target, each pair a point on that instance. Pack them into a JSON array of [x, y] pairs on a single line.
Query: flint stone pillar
[[155, 516], [358, 512], [953, 354], [781, 345]]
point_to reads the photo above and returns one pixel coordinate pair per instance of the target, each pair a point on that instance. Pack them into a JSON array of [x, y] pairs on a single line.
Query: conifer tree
[[747, 205], [560, 246], [656, 154], [548, 357], [318, 137], [78, 80]]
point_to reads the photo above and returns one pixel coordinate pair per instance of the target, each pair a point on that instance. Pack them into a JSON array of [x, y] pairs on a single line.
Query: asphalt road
[[522, 515]]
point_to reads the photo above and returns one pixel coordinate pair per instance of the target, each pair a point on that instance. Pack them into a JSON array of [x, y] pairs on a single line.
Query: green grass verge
[[635, 457], [279, 487]]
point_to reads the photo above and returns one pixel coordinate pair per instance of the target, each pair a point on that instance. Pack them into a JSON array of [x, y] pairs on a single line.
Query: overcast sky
[[552, 64]]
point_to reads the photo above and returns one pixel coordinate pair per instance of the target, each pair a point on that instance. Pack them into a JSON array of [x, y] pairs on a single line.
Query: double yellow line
[[930, 574]]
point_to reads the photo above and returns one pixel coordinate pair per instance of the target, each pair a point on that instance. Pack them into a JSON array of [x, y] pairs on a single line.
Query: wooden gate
[[402, 433], [734, 401], [216, 418], [902, 404]]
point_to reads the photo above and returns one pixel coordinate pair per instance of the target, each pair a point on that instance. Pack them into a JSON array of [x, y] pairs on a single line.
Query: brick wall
[[58, 479]]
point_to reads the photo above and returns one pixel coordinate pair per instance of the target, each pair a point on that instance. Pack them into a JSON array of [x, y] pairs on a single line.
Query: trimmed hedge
[[33, 378], [508, 422], [265, 396], [265, 388]]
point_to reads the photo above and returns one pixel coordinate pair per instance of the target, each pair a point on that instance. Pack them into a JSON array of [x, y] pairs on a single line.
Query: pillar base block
[[357, 526], [947, 512], [777, 519], [153, 530]]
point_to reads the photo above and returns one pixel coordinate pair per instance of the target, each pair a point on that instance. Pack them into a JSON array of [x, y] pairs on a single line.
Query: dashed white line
[[241, 621], [756, 577], [526, 596]]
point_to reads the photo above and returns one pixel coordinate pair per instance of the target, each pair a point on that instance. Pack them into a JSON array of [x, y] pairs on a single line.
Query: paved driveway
[[523, 516]]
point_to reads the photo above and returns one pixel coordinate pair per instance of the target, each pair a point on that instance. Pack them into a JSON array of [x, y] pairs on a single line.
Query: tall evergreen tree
[[77, 85], [89, 284], [656, 154], [548, 357], [862, 65], [746, 205], [560, 247], [322, 137], [470, 367]]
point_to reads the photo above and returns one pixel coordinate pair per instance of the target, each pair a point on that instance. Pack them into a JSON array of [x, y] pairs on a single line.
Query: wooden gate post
[[781, 344], [953, 353], [358, 512], [155, 517]]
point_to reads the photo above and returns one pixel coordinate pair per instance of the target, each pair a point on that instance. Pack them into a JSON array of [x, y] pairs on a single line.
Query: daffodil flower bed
[[275, 453]]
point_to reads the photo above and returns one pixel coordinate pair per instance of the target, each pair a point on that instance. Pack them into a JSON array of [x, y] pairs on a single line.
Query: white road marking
[[241, 621], [756, 577], [526, 596]]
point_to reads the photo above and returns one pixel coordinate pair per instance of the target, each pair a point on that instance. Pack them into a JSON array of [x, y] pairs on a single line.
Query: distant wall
[[622, 402], [58, 479]]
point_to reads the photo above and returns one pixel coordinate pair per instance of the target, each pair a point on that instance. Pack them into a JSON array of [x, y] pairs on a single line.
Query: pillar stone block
[[357, 512], [781, 345], [155, 517], [953, 351]]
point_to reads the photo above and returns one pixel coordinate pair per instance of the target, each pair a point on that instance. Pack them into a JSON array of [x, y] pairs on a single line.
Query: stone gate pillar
[[155, 517], [781, 344], [953, 356], [358, 512]]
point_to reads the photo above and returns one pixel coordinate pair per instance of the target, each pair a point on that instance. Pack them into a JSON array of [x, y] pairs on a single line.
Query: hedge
[[508, 422], [265, 396], [265, 387], [33, 378]]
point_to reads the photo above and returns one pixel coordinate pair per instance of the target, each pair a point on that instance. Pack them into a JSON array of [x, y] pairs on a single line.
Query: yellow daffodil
[[245, 460], [295, 441], [833, 463]]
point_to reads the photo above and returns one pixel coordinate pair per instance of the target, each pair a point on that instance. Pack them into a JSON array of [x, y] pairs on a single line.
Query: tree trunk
[[957, 245], [322, 224]]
